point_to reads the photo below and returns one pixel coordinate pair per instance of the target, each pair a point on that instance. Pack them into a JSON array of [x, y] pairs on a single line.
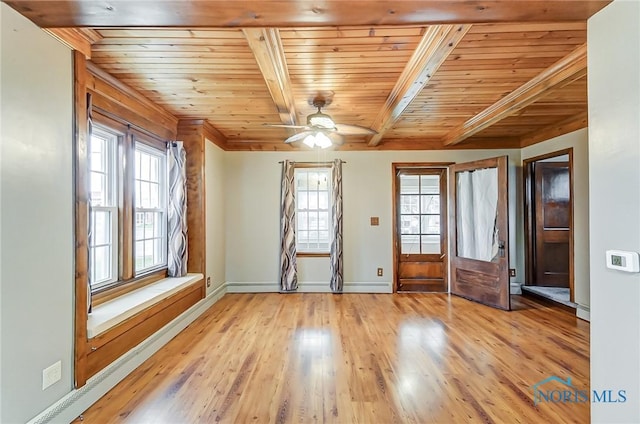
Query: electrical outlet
[[375, 220], [512, 272], [379, 272], [51, 374], [208, 281]]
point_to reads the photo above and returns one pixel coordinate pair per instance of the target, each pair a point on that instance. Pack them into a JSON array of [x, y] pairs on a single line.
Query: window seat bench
[[116, 326], [113, 312]]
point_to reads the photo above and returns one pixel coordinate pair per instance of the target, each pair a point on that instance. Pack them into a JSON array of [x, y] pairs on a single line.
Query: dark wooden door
[[552, 201], [421, 230], [479, 233]]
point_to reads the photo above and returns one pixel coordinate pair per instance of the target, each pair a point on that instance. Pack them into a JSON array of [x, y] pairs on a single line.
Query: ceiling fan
[[321, 130]]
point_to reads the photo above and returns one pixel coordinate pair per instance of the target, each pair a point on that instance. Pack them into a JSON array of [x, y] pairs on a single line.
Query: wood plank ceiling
[[511, 80]]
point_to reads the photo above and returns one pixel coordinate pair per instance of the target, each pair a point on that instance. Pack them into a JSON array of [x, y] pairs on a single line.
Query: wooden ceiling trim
[[213, 135], [283, 13], [434, 47], [114, 90], [391, 144], [573, 123], [267, 49], [80, 39], [568, 69]]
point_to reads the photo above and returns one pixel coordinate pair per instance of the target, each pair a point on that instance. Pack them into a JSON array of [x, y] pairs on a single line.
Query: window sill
[[312, 255], [113, 312]]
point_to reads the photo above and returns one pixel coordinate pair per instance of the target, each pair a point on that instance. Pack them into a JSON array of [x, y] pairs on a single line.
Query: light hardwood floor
[[366, 358]]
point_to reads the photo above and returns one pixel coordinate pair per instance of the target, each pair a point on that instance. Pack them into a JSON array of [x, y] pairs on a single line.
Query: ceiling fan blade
[[297, 137], [348, 129], [286, 126], [335, 138]]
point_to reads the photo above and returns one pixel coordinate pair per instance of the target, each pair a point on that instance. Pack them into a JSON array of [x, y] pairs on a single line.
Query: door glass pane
[[476, 214], [410, 244], [409, 204], [430, 224], [410, 224], [430, 244], [430, 204], [409, 184], [419, 205], [429, 184]]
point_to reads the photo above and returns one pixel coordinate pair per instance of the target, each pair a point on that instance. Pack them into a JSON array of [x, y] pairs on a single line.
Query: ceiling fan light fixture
[[321, 120], [322, 141], [310, 140], [317, 139]]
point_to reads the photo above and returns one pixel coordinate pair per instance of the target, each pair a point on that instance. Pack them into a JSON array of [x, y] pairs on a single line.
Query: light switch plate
[[375, 220], [51, 374]]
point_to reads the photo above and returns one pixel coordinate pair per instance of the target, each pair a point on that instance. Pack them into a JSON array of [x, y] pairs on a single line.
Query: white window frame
[[302, 247], [163, 198], [111, 189]]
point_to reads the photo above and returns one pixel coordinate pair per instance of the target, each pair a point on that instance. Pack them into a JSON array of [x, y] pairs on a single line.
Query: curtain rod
[[315, 163]]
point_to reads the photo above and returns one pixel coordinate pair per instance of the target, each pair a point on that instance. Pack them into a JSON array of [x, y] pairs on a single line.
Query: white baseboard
[[77, 401], [309, 287], [249, 287], [515, 288], [583, 312]]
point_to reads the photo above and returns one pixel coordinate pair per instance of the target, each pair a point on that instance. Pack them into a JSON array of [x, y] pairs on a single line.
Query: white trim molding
[[583, 312], [79, 400], [309, 287]]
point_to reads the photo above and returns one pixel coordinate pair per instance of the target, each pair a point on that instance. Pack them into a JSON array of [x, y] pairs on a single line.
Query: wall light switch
[[375, 221]]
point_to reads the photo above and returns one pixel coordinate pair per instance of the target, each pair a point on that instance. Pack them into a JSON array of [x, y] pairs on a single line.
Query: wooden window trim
[[122, 109], [123, 287], [127, 137], [312, 165]]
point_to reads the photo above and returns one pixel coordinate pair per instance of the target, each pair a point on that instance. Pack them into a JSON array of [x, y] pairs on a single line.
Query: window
[[420, 213], [150, 208], [313, 210], [128, 205], [103, 247]]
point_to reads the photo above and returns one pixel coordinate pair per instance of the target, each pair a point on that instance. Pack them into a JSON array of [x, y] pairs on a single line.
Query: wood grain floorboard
[[357, 358]]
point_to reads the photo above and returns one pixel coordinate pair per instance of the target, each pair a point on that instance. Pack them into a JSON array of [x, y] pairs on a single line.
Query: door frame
[[395, 167], [529, 224]]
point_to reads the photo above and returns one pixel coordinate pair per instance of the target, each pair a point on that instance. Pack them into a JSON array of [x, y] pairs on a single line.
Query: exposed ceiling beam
[[563, 72], [281, 13], [572, 123], [434, 47], [267, 48], [79, 39]]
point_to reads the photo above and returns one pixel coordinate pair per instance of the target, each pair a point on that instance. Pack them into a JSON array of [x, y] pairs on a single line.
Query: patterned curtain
[[288, 268], [177, 214], [89, 211], [336, 226]]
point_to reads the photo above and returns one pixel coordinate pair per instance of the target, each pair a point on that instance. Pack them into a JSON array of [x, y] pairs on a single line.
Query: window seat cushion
[[113, 312]]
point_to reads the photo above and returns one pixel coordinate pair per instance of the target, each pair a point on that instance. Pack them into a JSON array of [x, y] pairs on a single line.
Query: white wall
[[252, 208], [614, 191], [37, 216], [214, 169], [579, 141]]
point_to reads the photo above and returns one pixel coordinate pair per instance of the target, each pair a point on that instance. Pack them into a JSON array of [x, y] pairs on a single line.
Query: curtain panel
[[288, 266], [88, 197], [335, 254], [177, 210]]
